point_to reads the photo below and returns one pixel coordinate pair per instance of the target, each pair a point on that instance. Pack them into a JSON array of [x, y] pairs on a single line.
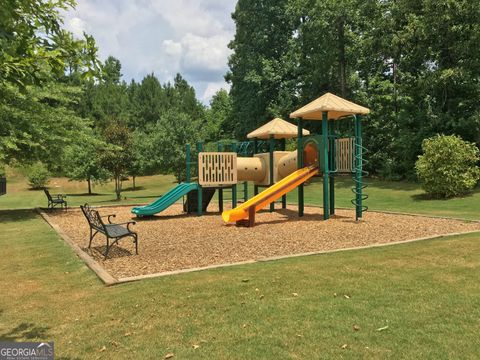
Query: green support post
[[255, 150], [234, 187], [200, 200], [220, 190], [332, 167], [188, 160], [301, 204], [234, 196], [245, 191], [199, 189], [326, 203], [358, 166], [220, 200], [283, 146], [271, 148]]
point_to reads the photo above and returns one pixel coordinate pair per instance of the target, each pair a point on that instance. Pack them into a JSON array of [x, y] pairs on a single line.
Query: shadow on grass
[[85, 194], [17, 215], [26, 331], [124, 200], [137, 188]]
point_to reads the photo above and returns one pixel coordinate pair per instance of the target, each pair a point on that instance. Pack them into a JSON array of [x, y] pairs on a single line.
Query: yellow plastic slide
[[271, 194]]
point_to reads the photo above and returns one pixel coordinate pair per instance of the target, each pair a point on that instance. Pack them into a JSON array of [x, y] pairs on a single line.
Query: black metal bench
[[55, 200], [110, 230]]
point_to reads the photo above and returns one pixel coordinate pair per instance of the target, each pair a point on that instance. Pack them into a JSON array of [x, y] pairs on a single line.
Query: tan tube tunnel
[[251, 169], [255, 168], [288, 163]]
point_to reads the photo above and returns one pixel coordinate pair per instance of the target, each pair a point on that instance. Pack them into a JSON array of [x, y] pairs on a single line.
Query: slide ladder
[[245, 213], [168, 199]]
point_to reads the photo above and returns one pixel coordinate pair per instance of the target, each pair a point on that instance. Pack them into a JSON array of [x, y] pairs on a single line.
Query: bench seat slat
[[114, 230]]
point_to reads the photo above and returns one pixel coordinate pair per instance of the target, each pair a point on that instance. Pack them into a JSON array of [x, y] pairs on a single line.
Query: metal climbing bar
[[358, 171]]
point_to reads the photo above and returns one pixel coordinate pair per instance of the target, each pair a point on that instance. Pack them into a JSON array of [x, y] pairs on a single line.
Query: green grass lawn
[[383, 195], [425, 296], [19, 196], [397, 196]]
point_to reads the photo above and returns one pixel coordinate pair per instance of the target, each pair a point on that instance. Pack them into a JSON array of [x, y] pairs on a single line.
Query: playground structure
[[279, 171]]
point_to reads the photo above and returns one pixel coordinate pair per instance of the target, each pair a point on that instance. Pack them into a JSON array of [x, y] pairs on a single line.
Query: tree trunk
[[89, 186], [394, 73], [133, 180], [118, 187], [342, 63]]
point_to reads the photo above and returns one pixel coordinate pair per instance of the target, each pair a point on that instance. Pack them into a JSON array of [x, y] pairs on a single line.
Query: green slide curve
[[166, 200]]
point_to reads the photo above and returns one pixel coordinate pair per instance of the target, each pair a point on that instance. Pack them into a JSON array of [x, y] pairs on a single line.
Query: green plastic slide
[[166, 200]]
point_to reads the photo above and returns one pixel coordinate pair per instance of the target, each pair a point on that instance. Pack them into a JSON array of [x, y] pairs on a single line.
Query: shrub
[[38, 176], [448, 166]]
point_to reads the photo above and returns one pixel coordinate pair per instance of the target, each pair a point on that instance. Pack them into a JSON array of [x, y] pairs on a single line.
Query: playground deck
[[174, 241]]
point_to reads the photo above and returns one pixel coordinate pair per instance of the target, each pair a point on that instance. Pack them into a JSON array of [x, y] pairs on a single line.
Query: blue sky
[[161, 36]]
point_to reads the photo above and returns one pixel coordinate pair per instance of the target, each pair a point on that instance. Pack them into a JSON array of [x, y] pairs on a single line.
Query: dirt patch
[[175, 241]]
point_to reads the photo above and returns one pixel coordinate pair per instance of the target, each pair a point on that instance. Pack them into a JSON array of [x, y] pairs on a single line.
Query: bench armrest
[[109, 217], [128, 223], [60, 196]]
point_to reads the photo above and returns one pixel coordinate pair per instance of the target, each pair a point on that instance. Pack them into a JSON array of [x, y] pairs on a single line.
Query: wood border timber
[[87, 259], [282, 257], [110, 280]]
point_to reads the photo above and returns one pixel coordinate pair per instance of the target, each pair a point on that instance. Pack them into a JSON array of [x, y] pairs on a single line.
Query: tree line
[[414, 63], [64, 111]]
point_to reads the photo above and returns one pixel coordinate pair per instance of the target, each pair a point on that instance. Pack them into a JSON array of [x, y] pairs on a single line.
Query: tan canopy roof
[[278, 128], [335, 105]]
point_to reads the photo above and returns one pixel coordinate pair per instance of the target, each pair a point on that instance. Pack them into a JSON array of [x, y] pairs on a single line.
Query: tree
[[117, 157], [107, 101], [218, 117], [448, 166], [82, 162], [172, 133], [144, 156], [111, 73], [262, 65], [183, 99], [414, 63], [148, 102], [38, 176], [31, 52], [41, 66], [39, 123]]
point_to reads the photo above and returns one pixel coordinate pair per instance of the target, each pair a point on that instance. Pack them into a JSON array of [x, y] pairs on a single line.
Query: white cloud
[[164, 37], [77, 26], [190, 16], [212, 89], [205, 52], [172, 48]]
